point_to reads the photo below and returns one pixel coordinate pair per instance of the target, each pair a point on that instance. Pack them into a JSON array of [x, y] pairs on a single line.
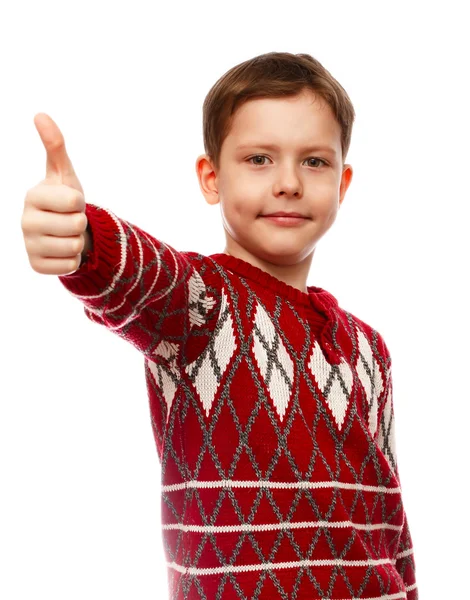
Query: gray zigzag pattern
[[209, 364]]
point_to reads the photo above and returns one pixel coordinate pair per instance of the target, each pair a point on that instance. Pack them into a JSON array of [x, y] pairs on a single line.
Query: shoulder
[[206, 272], [367, 337]]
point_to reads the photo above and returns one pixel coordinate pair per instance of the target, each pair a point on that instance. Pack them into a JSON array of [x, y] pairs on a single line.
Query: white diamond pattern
[[339, 375], [162, 377], [370, 377], [220, 349], [199, 302], [277, 372], [386, 438]]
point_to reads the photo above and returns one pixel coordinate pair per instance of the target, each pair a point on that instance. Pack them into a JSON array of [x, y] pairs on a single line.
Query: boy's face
[[291, 178]]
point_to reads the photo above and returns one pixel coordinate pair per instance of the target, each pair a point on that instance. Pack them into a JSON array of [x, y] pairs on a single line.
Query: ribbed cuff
[[96, 273]]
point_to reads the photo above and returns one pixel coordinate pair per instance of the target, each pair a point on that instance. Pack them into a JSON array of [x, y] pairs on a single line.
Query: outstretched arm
[[139, 287]]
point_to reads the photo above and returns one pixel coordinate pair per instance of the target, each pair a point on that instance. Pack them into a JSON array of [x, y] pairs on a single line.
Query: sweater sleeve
[[138, 287], [404, 557]]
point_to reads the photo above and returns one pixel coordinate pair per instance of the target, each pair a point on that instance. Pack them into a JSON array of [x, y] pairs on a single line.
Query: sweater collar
[[318, 297]]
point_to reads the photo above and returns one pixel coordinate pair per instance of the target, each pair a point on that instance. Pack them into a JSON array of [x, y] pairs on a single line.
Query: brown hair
[[271, 75]]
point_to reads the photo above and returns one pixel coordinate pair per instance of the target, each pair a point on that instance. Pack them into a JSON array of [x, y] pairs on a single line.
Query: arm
[[140, 288], [405, 563]]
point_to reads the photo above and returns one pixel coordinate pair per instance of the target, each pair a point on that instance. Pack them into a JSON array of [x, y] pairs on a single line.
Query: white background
[[125, 82]]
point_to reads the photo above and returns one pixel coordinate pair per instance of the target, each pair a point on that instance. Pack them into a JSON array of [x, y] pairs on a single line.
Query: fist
[[54, 222]]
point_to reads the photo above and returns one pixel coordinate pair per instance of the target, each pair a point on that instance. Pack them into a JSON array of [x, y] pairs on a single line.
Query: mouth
[[285, 220], [292, 215]]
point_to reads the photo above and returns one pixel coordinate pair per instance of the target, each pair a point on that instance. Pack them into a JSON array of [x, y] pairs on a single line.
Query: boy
[[271, 405]]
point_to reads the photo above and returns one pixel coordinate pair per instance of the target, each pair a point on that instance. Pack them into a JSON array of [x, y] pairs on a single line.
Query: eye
[[257, 156], [315, 158], [262, 156]]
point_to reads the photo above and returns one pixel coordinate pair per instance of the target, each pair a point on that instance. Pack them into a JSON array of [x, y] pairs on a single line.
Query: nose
[[288, 182]]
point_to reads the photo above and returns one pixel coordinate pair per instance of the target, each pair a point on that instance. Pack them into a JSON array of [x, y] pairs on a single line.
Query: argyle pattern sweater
[[273, 420]]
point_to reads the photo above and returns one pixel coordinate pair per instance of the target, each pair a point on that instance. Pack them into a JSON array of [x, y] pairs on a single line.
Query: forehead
[[300, 120]]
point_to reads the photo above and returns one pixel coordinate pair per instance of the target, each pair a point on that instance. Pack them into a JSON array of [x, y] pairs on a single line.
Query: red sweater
[[273, 419]]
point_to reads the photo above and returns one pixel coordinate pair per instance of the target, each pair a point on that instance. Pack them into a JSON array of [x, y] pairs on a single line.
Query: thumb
[[59, 167]]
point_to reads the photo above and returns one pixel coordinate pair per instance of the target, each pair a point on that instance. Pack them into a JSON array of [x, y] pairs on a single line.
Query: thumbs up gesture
[[54, 221]]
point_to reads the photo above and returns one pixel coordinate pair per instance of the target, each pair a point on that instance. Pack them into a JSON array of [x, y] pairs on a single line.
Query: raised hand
[[54, 221]]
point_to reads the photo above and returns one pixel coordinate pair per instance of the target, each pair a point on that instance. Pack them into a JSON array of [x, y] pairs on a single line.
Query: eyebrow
[[274, 147]]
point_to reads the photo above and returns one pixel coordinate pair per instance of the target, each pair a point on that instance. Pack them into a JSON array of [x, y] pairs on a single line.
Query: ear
[[207, 178], [346, 178]]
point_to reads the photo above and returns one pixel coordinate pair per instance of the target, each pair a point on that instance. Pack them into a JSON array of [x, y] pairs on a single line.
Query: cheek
[[241, 208], [331, 214]]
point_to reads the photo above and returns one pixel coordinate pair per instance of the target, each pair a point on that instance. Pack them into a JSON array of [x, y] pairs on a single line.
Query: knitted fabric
[[272, 414]]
